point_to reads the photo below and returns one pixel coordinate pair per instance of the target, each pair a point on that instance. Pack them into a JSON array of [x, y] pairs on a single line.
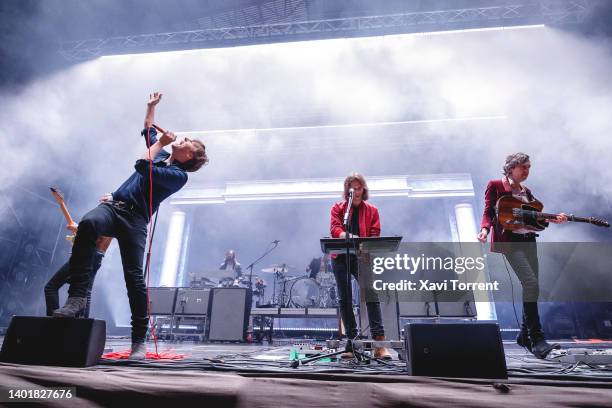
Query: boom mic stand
[[250, 267]]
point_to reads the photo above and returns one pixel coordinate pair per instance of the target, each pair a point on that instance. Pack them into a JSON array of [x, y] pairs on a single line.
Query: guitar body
[[511, 217]]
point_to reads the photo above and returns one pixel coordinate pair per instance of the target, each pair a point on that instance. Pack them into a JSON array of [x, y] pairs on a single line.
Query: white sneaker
[[139, 351]]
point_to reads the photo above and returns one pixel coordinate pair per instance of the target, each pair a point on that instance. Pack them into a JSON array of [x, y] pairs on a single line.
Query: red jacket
[[495, 190], [369, 221]]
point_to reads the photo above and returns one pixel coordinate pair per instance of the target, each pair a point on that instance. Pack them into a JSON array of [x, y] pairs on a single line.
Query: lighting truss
[[551, 12]]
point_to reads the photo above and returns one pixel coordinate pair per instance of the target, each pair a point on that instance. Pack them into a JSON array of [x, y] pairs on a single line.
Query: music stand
[[358, 246]]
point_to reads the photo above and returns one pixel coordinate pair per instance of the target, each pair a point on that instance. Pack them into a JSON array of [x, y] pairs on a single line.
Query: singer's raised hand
[[154, 98]]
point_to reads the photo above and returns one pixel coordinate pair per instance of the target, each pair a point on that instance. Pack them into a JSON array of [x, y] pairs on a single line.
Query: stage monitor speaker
[[229, 314], [192, 302], [460, 350], [161, 300], [54, 341]]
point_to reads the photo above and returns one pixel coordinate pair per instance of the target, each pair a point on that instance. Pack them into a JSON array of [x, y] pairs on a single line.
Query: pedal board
[[368, 344], [583, 355], [301, 351]]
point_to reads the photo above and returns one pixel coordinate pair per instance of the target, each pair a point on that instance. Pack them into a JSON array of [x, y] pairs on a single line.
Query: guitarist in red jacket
[[522, 253]]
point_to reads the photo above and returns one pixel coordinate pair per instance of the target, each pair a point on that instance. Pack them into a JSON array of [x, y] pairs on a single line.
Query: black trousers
[[62, 277], [130, 228], [345, 295], [523, 257]]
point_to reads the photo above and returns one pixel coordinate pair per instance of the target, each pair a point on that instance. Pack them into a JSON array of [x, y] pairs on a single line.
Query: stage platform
[[260, 375]]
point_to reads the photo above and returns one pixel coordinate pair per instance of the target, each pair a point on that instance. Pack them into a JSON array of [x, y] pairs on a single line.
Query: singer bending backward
[[363, 221], [125, 214]]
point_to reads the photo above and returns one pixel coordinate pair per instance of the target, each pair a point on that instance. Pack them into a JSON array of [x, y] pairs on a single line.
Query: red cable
[[150, 240]]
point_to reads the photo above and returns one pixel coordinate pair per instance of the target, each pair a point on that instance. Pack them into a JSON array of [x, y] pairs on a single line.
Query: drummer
[[231, 263], [318, 264]]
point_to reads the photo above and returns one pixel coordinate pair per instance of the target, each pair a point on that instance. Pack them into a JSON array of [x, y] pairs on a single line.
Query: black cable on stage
[[512, 291], [149, 252]]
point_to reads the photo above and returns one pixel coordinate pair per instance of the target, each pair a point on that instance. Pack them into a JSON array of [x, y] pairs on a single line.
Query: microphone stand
[[250, 267], [347, 243]]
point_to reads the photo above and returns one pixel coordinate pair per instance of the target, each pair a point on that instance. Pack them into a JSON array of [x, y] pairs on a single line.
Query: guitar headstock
[[599, 222], [57, 194]]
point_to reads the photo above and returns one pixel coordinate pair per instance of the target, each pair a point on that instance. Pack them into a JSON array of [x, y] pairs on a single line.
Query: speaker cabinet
[[192, 302], [54, 341], [162, 300], [460, 350], [229, 314]]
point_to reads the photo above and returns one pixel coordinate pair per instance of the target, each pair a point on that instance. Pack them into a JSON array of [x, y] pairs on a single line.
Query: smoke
[[545, 92]]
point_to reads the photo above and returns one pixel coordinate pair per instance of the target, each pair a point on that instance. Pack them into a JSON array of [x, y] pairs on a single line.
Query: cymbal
[[212, 274], [278, 268]]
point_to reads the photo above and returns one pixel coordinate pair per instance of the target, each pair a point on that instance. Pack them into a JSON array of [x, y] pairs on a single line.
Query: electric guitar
[[60, 200], [514, 214]]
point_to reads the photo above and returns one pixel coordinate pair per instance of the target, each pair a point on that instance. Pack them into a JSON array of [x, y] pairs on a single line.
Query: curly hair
[[514, 160], [355, 177]]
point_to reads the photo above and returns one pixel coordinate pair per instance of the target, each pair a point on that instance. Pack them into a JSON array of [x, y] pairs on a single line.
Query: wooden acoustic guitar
[[59, 197], [514, 214]]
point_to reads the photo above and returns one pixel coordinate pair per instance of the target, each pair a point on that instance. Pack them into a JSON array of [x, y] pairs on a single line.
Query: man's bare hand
[[167, 138], [154, 98], [72, 227], [482, 235], [561, 219], [106, 197]]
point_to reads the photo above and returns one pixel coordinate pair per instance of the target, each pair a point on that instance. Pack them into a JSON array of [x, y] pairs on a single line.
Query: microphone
[[348, 209], [159, 129]]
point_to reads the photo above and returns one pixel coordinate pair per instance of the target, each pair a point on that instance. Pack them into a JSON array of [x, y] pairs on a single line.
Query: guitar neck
[[548, 216], [517, 211], [69, 219]]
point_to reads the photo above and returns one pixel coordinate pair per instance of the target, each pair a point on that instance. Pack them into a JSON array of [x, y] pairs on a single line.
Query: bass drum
[[326, 279], [305, 292]]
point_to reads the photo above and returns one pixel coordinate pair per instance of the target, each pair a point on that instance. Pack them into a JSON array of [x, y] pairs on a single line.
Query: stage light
[[173, 249]]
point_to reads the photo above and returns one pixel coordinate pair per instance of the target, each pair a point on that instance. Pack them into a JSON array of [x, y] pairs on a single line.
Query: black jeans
[[345, 299], [130, 229], [61, 277], [523, 257]]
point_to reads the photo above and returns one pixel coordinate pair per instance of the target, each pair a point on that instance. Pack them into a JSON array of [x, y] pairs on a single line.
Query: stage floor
[[254, 375]]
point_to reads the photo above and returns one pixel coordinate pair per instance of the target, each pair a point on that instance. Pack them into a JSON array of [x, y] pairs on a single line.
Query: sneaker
[[139, 351], [73, 306]]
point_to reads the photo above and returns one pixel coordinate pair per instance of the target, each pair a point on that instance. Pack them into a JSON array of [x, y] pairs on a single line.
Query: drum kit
[[221, 279], [301, 291], [287, 290]]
